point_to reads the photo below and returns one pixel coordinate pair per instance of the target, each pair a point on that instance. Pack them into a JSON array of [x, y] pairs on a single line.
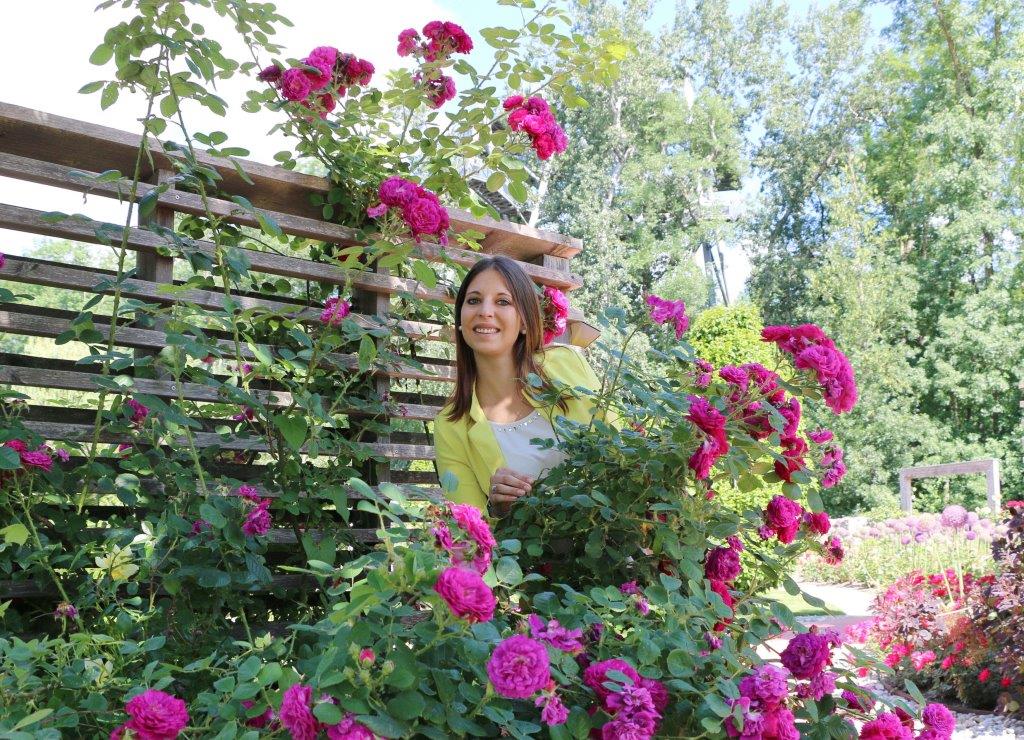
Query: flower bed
[[880, 552], [957, 635]]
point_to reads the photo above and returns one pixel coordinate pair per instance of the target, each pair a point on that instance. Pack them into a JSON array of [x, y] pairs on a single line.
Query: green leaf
[[915, 692], [367, 352], [327, 713], [679, 662], [168, 106], [508, 571], [16, 533], [109, 96], [34, 717], [518, 191], [424, 273], [407, 705], [495, 181], [101, 55], [91, 87], [9, 459], [293, 429], [717, 705], [214, 517]]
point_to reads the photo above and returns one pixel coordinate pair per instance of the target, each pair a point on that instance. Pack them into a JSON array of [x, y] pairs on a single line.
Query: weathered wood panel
[[65, 141]]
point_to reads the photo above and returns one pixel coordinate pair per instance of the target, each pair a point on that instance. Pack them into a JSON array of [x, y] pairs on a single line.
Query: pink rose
[[466, 594], [886, 726], [818, 522], [408, 41], [596, 675], [295, 85], [296, 715], [722, 564], [335, 311], [807, 655], [323, 59], [519, 667], [349, 729], [156, 715], [257, 521], [782, 516]]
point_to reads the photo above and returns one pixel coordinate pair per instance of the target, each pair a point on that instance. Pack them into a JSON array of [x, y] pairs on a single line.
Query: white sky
[[45, 47]]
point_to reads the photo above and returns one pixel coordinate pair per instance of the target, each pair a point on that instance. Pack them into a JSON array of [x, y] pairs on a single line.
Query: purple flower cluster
[[555, 635], [519, 667], [325, 74], [442, 40], [762, 706]]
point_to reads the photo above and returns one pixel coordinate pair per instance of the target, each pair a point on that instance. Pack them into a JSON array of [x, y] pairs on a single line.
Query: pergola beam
[[988, 466]]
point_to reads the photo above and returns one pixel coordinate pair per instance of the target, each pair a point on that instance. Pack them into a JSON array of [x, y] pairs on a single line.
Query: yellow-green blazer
[[468, 449]]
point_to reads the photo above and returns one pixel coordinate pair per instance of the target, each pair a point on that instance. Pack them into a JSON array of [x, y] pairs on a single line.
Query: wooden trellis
[[51, 150]]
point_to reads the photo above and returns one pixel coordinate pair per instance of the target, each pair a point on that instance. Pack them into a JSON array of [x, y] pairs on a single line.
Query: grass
[[801, 608]]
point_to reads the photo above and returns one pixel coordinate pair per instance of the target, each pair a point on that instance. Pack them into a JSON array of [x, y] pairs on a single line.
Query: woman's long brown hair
[[524, 297]]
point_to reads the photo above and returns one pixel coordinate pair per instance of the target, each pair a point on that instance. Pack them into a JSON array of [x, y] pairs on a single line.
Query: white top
[[522, 456]]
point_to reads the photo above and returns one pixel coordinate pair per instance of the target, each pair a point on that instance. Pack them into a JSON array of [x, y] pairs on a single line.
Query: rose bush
[[153, 550]]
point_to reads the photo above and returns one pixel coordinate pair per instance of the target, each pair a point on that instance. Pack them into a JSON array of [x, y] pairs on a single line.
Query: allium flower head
[[519, 667], [954, 516]]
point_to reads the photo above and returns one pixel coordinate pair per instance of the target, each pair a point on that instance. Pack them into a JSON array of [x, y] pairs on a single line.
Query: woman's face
[[490, 320]]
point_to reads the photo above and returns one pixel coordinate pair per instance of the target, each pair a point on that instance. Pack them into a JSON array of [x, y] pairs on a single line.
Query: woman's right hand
[[507, 486]]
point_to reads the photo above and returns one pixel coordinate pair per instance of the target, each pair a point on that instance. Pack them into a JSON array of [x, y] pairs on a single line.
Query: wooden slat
[[203, 440], [44, 322], [65, 141], [312, 228], [52, 274], [30, 220]]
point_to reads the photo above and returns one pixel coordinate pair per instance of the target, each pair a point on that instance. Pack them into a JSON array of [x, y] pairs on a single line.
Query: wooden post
[[992, 485], [906, 492], [377, 304], [150, 265]]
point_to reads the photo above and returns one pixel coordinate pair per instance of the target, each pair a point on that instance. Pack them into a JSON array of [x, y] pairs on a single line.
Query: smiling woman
[[483, 436]]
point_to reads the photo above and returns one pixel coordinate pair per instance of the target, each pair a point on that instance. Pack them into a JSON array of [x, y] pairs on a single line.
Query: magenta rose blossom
[[322, 59], [818, 522], [807, 655], [335, 311], [710, 421], [408, 42], [554, 712], [813, 350], [555, 635], [296, 715], [156, 715], [257, 521], [659, 694], [349, 729], [295, 85], [519, 667], [555, 308], [782, 516], [466, 594], [439, 89], [596, 675], [768, 685], [887, 726], [421, 209], [533, 116], [722, 564], [664, 311], [939, 720]]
